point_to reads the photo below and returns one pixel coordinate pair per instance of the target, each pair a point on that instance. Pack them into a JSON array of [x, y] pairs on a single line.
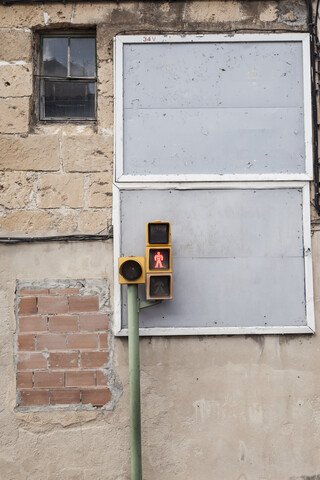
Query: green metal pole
[[134, 381]]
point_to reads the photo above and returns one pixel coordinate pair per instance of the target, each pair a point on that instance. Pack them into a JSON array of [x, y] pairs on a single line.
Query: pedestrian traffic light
[[158, 233], [132, 270], [159, 261]]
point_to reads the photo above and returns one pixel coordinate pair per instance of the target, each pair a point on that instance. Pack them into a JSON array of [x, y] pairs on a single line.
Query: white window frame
[[310, 322], [225, 181]]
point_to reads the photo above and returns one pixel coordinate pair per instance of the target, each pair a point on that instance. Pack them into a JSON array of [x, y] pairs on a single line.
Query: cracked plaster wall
[[227, 408]]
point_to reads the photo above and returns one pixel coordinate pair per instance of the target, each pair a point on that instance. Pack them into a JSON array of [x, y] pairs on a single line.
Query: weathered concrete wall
[[226, 408]]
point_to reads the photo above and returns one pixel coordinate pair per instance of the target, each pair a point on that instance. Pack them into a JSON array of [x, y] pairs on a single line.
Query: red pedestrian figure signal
[[158, 258]]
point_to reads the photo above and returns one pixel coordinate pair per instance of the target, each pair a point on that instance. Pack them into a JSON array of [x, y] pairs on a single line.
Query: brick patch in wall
[[63, 356]]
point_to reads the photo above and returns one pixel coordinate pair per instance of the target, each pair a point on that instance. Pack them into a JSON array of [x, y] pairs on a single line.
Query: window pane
[[69, 99], [55, 57], [82, 57]]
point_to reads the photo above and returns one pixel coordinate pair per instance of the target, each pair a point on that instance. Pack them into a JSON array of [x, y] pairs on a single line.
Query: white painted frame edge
[[307, 102], [116, 216], [216, 37], [309, 297], [118, 109], [170, 332], [252, 330], [285, 177], [119, 42]]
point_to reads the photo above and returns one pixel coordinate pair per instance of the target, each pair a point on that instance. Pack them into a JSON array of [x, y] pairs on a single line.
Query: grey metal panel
[[237, 255], [221, 141], [240, 74], [231, 293], [213, 108]]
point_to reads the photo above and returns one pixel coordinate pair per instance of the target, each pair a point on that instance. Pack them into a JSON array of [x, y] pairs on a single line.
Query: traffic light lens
[[131, 270], [160, 286], [158, 233], [159, 259]]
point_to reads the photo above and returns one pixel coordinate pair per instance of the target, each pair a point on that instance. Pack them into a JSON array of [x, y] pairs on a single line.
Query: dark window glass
[[55, 57], [158, 233], [160, 286], [82, 57], [65, 93], [69, 99]]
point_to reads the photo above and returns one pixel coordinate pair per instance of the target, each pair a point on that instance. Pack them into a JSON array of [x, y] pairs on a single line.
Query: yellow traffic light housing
[[132, 270], [159, 286], [158, 233], [158, 261]]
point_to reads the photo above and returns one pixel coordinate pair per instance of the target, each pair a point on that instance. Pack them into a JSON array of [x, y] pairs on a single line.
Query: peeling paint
[[46, 17], [13, 62]]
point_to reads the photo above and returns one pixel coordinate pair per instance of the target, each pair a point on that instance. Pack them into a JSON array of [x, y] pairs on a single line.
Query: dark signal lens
[[158, 233], [131, 270], [160, 286]]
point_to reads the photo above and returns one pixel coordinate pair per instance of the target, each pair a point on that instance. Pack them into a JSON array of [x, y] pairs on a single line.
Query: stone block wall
[[65, 170], [64, 184]]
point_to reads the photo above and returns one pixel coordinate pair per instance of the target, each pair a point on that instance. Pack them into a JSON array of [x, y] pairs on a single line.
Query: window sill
[[66, 128]]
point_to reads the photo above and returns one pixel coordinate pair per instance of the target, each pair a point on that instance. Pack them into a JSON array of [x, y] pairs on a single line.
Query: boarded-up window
[[213, 133]]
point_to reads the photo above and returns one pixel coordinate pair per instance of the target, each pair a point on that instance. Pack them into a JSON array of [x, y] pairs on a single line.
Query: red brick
[[102, 379], [84, 304], [80, 379], [94, 323], [48, 379], [33, 293], [31, 361], [64, 397], [63, 323], [53, 304], [83, 340], [63, 360], [103, 341], [28, 306], [94, 359], [24, 380], [97, 397], [33, 397], [64, 291], [26, 342], [33, 324], [51, 341]]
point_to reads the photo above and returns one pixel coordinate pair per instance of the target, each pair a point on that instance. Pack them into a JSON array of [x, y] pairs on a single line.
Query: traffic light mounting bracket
[[146, 304]]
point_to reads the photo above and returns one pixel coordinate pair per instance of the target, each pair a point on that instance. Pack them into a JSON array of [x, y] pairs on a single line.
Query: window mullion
[[69, 59]]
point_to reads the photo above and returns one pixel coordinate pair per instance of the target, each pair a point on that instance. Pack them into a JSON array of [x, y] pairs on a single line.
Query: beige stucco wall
[[221, 408]]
